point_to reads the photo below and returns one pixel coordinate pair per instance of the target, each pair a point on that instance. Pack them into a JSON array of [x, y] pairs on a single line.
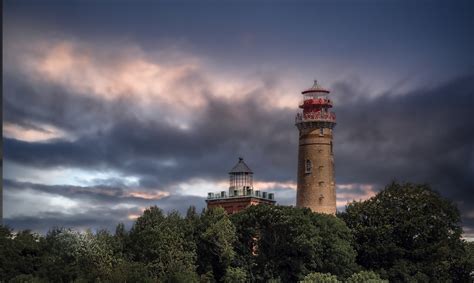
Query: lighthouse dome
[[315, 89], [241, 167]]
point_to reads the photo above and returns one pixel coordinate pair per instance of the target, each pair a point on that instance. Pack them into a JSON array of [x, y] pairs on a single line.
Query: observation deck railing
[[315, 117], [315, 101], [252, 193]]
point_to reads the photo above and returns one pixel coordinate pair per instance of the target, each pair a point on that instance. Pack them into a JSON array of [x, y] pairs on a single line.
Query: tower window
[[308, 166], [331, 147], [321, 131], [321, 184]]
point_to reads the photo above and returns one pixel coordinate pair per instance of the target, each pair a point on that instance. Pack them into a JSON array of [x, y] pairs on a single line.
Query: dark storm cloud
[[43, 219], [304, 33], [44, 222], [101, 194], [124, 141], [422, 136], [100, 218], [354, 189], [468, 226], [28, 104], [106, 206]]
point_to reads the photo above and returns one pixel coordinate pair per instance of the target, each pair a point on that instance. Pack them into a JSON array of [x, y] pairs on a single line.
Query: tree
[[235, 275], [160, 242], [215, 243], [126, 271], [407, 232], [288, 243], [317, 277], [59, 263], [120, 240], [469, 247], [365, 277], [70, 255], [96, 256], [338, 254], [27, 278], [20, 253], [192, 231]]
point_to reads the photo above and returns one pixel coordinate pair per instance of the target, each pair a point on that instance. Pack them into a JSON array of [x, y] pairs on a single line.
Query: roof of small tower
[[241, 167], [315, 88]]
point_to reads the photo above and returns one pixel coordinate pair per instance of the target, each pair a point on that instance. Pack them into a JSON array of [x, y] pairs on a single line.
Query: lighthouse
[[315, 185]]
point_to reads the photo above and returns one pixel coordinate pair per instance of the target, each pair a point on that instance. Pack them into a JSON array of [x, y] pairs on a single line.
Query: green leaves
[[406, 231], [216, 243], [288, 243], [20, 253], [317, 277], [365, 277], [160, 242]]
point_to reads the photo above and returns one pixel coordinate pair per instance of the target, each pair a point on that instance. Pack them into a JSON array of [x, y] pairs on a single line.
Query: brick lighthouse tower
[[315, 188]]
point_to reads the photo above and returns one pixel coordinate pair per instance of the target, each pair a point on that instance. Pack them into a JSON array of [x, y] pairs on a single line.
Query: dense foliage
[[406, 233], [288, 243], [318, 277], [365, 277]]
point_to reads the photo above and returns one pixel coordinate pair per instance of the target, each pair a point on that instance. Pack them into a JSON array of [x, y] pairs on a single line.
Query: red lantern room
[[316, 106]]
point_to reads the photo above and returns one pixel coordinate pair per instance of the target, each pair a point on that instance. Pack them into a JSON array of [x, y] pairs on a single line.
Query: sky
[[110, 107]]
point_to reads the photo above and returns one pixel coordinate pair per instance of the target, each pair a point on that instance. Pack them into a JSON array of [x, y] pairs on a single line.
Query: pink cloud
[[347, 193], [148, 195], [174, 82], [274, 185], [41, 133]]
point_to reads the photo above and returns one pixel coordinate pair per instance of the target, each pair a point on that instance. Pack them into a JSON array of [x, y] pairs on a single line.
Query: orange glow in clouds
[[45, 132], [148, 195], [182, 85]]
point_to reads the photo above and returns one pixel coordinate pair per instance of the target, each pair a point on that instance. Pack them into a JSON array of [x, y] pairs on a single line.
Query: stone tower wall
[[316, 190]]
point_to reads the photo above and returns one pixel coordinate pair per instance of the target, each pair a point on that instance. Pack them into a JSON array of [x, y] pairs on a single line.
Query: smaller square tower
[[241, 193]]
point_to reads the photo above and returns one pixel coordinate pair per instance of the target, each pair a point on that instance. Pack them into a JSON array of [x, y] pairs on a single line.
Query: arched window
[[308, 166], [331, 147]]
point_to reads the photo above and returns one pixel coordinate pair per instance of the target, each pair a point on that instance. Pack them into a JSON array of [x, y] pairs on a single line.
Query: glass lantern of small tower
[[240, 179]]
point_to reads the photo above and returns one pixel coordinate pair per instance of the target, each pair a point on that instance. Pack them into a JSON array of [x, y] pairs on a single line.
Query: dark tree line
[[406, 233]]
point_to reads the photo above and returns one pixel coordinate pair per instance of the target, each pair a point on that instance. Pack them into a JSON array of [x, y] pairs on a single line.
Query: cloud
[[85, 70], [99, 195], [421, 136], [40, 207], [32, 134], [347, 193], [170, 83], [148, 196], [117, 128], [170, 124]]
